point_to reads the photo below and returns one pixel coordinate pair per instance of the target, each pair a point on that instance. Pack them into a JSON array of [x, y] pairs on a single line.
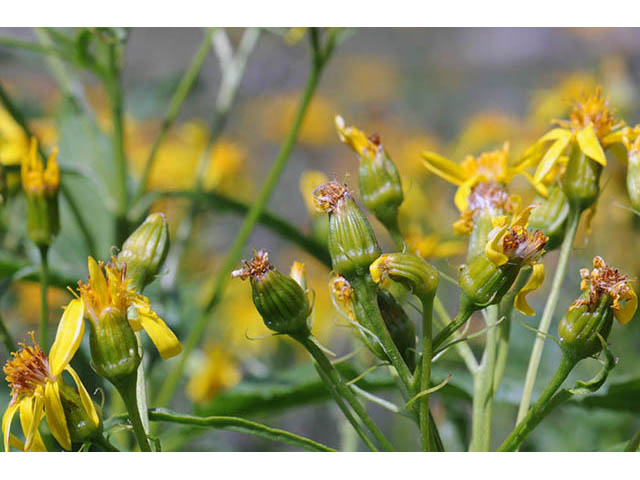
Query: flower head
[[606, 281], [488, 197], [281, 301], [488, 167], [37, 392], [38, 180], [107, 298], [592, 126]]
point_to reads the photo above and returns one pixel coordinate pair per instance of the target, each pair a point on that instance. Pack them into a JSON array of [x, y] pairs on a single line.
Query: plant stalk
[[128, 393], [540, 409], [44, 304], [547, 315], [345, 392], [484, 389]]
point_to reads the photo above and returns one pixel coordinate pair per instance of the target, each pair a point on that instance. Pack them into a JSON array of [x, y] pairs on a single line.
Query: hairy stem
[[425, 376], [128, 393]]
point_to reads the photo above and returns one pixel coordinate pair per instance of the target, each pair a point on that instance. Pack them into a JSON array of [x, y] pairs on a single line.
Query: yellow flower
[[430, 246], [35, 382], [487, 167], [553, 103], [604, 280], [592, 127], [218, 372], [108, 293], [36, 179], [226, 164], [14, 143], [486, 130], [510, 242]]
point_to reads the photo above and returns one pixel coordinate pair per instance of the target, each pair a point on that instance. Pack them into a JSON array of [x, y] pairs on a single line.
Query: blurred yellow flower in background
[[219, 371]]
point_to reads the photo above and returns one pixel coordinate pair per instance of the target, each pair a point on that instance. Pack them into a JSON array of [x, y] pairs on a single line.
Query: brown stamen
[[327, 196], [28, 369], [255, 268]]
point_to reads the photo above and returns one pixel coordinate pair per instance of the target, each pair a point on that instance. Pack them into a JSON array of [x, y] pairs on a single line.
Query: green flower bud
[[280, 300], [607, 294], [380, 184], [550, 216], [482, 225], [579, 328], [41, 186], [410, 270], [144, 251], [633, 178], [81, 427], [114, 347], [484, 283], [401, 328], [581, 180], [352, 243]]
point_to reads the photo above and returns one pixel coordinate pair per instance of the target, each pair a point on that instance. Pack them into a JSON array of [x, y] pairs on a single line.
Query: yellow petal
[[353, 137], [590, 145], [462, 194], [522, 218], [97, 282], [540, 187], [550, 158], [493, 249], [535, 280], [625, 314], [15, 442], [87, 403], [6, 423], [68, 336], [30, 418], [162, 337], [444, 168], [55, 415]]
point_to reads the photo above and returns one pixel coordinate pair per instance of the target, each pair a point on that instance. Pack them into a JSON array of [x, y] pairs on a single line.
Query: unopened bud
[[41, 186], [280, 300], [145, 250], [352, 243], [581, 180], [550, 216], [380, 184], [410, 270]]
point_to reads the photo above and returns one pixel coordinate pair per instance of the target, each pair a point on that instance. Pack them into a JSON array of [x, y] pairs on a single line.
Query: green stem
[[425, 376], [113, 84], [463, 348], [541, 408], [345, 392], [547, 315], [505, 312], [366, 308], [127, 391], [353, 421], [450, 329], [484, 389], [44, 304], [7, 339], [181, 93], [235, 252], [236, 424], [105, 444], [633, 444]]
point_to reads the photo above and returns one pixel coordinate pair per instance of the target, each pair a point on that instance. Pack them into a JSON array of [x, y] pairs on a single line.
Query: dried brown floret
[[255, 268]]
